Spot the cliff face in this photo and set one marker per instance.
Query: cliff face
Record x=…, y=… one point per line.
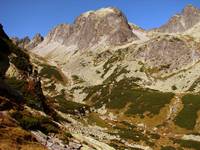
x=169, y=51
x=4, y=52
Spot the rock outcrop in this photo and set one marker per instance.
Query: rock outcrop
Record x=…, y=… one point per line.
x=168, y=53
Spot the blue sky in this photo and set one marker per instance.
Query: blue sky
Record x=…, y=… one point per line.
x=28, y=17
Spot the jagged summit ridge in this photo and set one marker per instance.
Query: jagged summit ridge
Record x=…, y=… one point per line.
x=26, y=42
x=189, y=16
x=101, y=12
x=94, y=29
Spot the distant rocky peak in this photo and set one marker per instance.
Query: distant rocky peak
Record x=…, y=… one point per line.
x=21, y=42
x=102, y=12
x=26, y=43
x=37, y=39
x=38, y=36
x=190, y=9
x=183, y=21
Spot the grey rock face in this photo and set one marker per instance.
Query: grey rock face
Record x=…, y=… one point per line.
x=168, y=53
x=181, y=22
x=106, y=26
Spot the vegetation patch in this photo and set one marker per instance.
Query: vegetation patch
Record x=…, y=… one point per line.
x=66, y=137
x=188, y=144
x=77, y=79
x=174, y=87
x=30, y=122
x=21, y=58
x=22, y=63
x=188, y=115
x=116, y=95
x=167, y=148
x=108, y=65
x=131, y=126
x=15, y=83
x=148, y=101
x=31, y=99
x=67, y=106
x=132, y=134
x=94, y=119
x=117, y=56
x=193, y=86
x=51, y=72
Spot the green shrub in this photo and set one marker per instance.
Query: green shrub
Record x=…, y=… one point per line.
x=67, y=106
x=34, y=100
x=194, y=84
x=26, y=122
x=155, y=136
x=41, y=123
x=167, y=148
x=94, y=119
x=188, y=144
x=116, y=95
x=66, y=137
x=77, y=79
x=131, y=126
x=15, y=83
x=131, y=134
x=67, y=134
x=188, y=115
x=149, y=101
x=174, y=87
x=22, y=63
x=51, y=71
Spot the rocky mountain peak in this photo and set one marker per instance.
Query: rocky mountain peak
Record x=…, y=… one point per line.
x=190, y=9
x=102, y=12
x=100, y=28
x=38, y=36
x=189, y=16
x=59, y=33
